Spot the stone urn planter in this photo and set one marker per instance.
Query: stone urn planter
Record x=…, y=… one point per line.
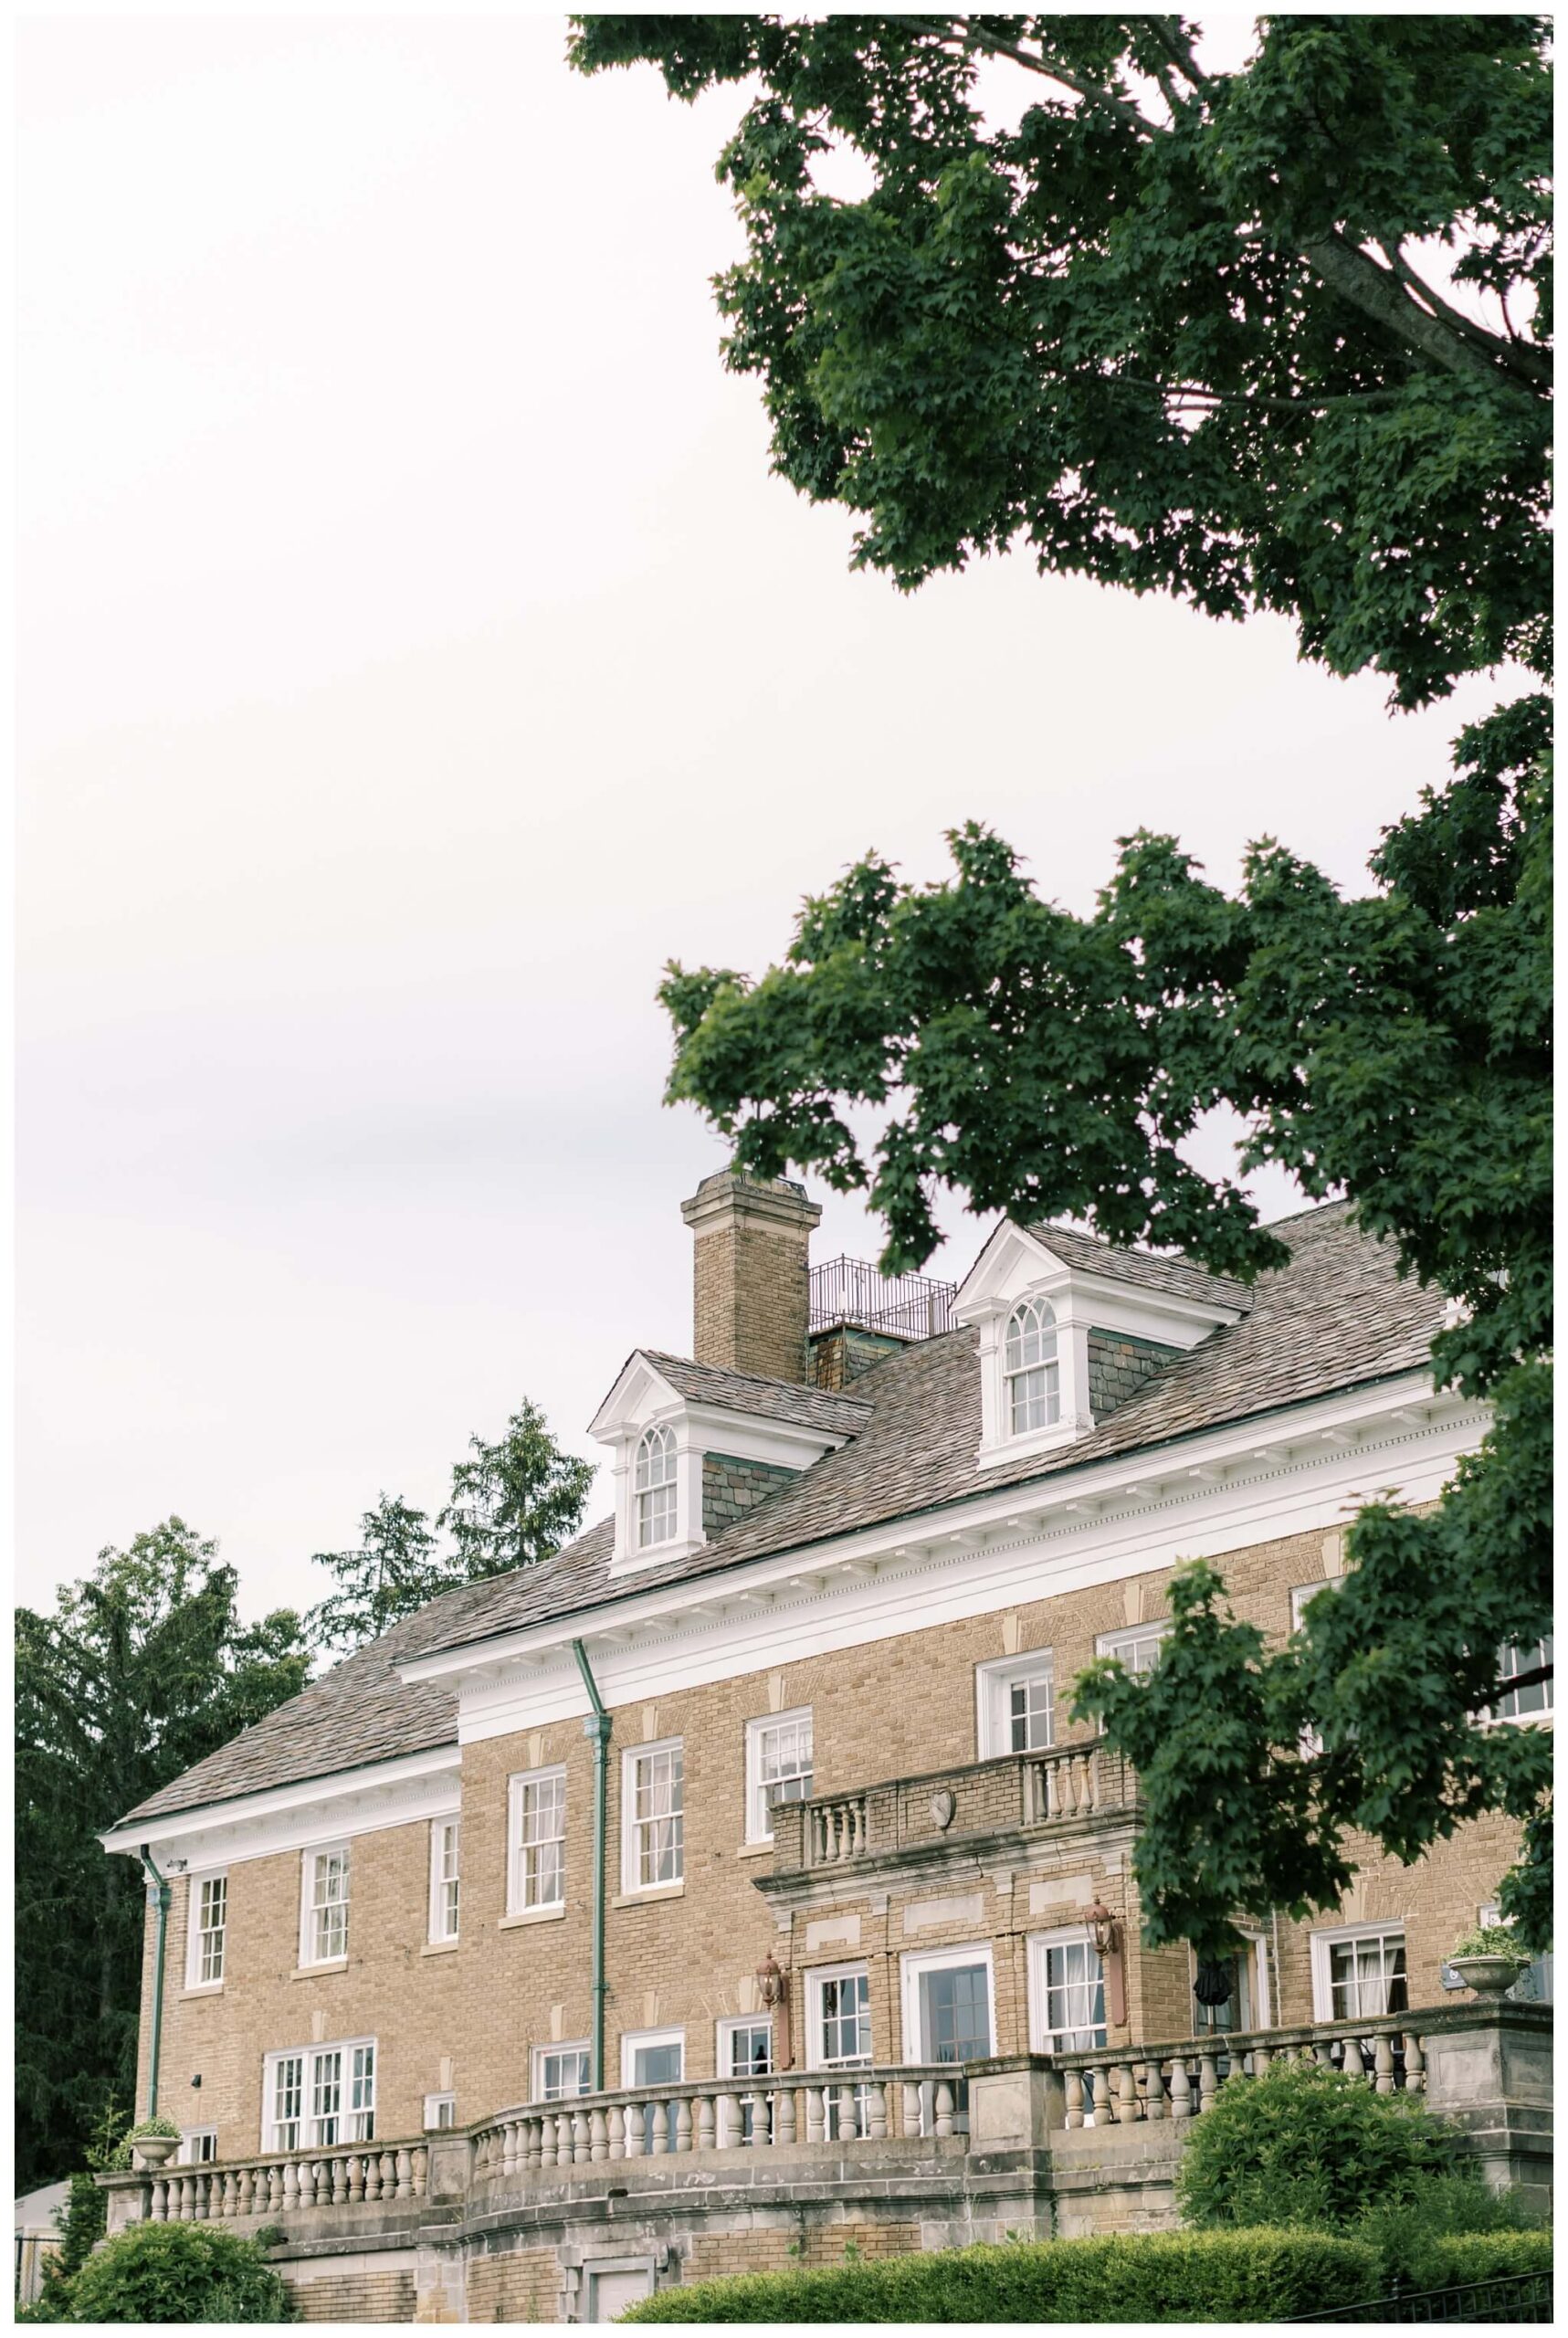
x=153, y=2150
x=1488, y=1976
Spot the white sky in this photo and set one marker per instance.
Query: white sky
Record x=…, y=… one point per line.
x=415, y=653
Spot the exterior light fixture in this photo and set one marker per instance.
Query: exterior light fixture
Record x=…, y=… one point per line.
x=1102, y=1928
x=772, y=1992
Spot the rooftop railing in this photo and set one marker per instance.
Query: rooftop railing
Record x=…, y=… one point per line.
x=906, y=1307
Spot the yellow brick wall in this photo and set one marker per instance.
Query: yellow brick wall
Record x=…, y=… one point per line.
x=523, y=2286
x=359, y=2295
x=896, y=1708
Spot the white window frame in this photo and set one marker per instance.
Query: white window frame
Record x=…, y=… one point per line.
x=309, y=1860
x=994, y=1684
x=440, y=2112
x=916, y=1962
x=759, y=1827
x=632, y=1883
x=661, y=1435
x=518, y=1902
x=1035, y=1304
x=1041, y=2039
x=727, y=2030
x=542, y=2054
x=634, y=2040
x=1526, y=1659
x=815, y=2059
x=446, y=1904
x=349, y=2117
x=1118, y=1643
x=195, y=1935
x=1335, y=1936
x=191, y=2153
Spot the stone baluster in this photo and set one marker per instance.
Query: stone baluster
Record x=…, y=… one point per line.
x=615, y=2130
x=1208, y=2078
x=1325, y=2054
x=658, y=2131
x=909, y=2122
x=1154, y=2091
x=708, y=2115
x=1127, y=2094
x=598, y=2137
x=1262, y=2062
x=636, y=2144
x=1414, y=2064
x=1382, y=2065
x=1180, y=2089
x=158, y=2201
x=783, y=2116
x=421, y=2157
x=339, y=2180
x=580, y=2146
x=681, y=2123
x=849, y=2122
x=816, y=2115
x=388, y=2176
x=1074, y=2088
x=532, y=2144
x=944, y=2107
x=357, y=2171
x=876, y=2109
x=725, y=2120
x=404, y=2176
x=511, y=2135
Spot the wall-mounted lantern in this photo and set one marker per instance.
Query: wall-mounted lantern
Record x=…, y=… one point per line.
x=773, y=1990
x=1106, y=1934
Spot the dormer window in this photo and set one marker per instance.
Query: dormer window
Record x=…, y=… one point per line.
x=1029, y=1363
x=655, y=1488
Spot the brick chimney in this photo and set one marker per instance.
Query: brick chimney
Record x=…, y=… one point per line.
x=751, y=1292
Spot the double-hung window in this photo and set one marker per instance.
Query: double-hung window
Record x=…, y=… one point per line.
x=839, y=1999
x=560, y=2072
x=445, y=1840
x=536, y=1875
x=440, y=2112
x=1015, y=1704
x=746, y=2051
x=198, y=2146
x=1067, y=1990
x=1360, y=1973
x=208, y=1922
x=1531, y=1703
x=315, y=2096
x=778, y=1768
x=654, y=1488
x=1138, y=1646
x=324, y=1930
x=1030, y=1368
x=653, y=1786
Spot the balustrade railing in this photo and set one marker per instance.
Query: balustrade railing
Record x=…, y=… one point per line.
x=281, y=2182
x=780, y=2111
x=1111, y=2086
x=1037, y=1789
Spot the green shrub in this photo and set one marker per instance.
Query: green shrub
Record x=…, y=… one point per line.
x=1484, y=2256
x=1306, y=2147
x=179, y=2273
x=1412, y=2236
x=1490, y=1940
x=1260, y=2276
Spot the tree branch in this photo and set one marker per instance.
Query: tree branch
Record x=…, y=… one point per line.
x=967, y=30
x=1358, y=278
x=1531, y=364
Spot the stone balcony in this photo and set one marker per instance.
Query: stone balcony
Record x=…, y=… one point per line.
x=971, y=1807
x=1029, y=2144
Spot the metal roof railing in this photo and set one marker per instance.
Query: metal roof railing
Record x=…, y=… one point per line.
x=905, y=1307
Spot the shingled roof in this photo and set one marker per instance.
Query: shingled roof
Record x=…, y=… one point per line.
x=1149, y=1269
x=1338, y=1315
x=766, y=1400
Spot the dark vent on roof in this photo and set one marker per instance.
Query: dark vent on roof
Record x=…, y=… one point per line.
x=847, y=1292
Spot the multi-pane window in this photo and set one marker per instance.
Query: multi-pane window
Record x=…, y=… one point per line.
x=1524, y=1657
x=843, y=2017
x=653, y=2058
x=316, y=2096
x=654, y=1787
x=1031, y=1367
x=1366, y=1975
x=1138, y=1646
x=746, y=2051
x=198, y=2146
x=1069, y=1994
x=445, y=1835
x=209, y=1927
x=560, y=2072
x=1015, y=1704
x=440, y=2112
x=326, y=1925
x=654, y=1482
x=778, y=1769
x=537, y=1868
x=1030, y=1713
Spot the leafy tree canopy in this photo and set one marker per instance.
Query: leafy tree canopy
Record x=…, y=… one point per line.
x=142, y=1669
x=513, y=1503
x=1183, y=329
x=1168, y=325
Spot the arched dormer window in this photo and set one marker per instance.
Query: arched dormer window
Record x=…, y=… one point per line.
x=1029, y=1366
x=654, y=1486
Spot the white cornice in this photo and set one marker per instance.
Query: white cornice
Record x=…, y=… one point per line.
x=396, y=1792
x=1224, y=1467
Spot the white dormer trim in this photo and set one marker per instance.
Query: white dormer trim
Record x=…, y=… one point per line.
x=642, y=1399
x=1016, y=1265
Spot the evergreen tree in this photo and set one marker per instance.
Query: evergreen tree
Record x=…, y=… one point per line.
x=515, y=1502
x=394, y=1570
x=140, y=1670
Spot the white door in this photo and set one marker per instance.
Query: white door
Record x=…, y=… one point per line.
x=610, y=2292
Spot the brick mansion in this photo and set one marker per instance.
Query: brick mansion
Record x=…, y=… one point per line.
x=736, y=1886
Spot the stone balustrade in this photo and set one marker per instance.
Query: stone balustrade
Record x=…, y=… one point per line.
x=1018, y=1792
x=1115, y=2087
x=281, y=2183
x=781, y=2112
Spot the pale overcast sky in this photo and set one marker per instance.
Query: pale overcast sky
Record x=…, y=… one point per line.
x=415, y=653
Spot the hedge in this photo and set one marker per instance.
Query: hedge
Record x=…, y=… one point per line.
x=1258, y=2276
x=1310, y=2146
x=1483, y=2257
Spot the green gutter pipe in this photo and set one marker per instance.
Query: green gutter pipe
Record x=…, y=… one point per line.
x=164, y=1896
x=597, y=1726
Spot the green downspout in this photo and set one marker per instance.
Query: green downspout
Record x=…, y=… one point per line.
x=598, y=1727
x=165, y=1896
